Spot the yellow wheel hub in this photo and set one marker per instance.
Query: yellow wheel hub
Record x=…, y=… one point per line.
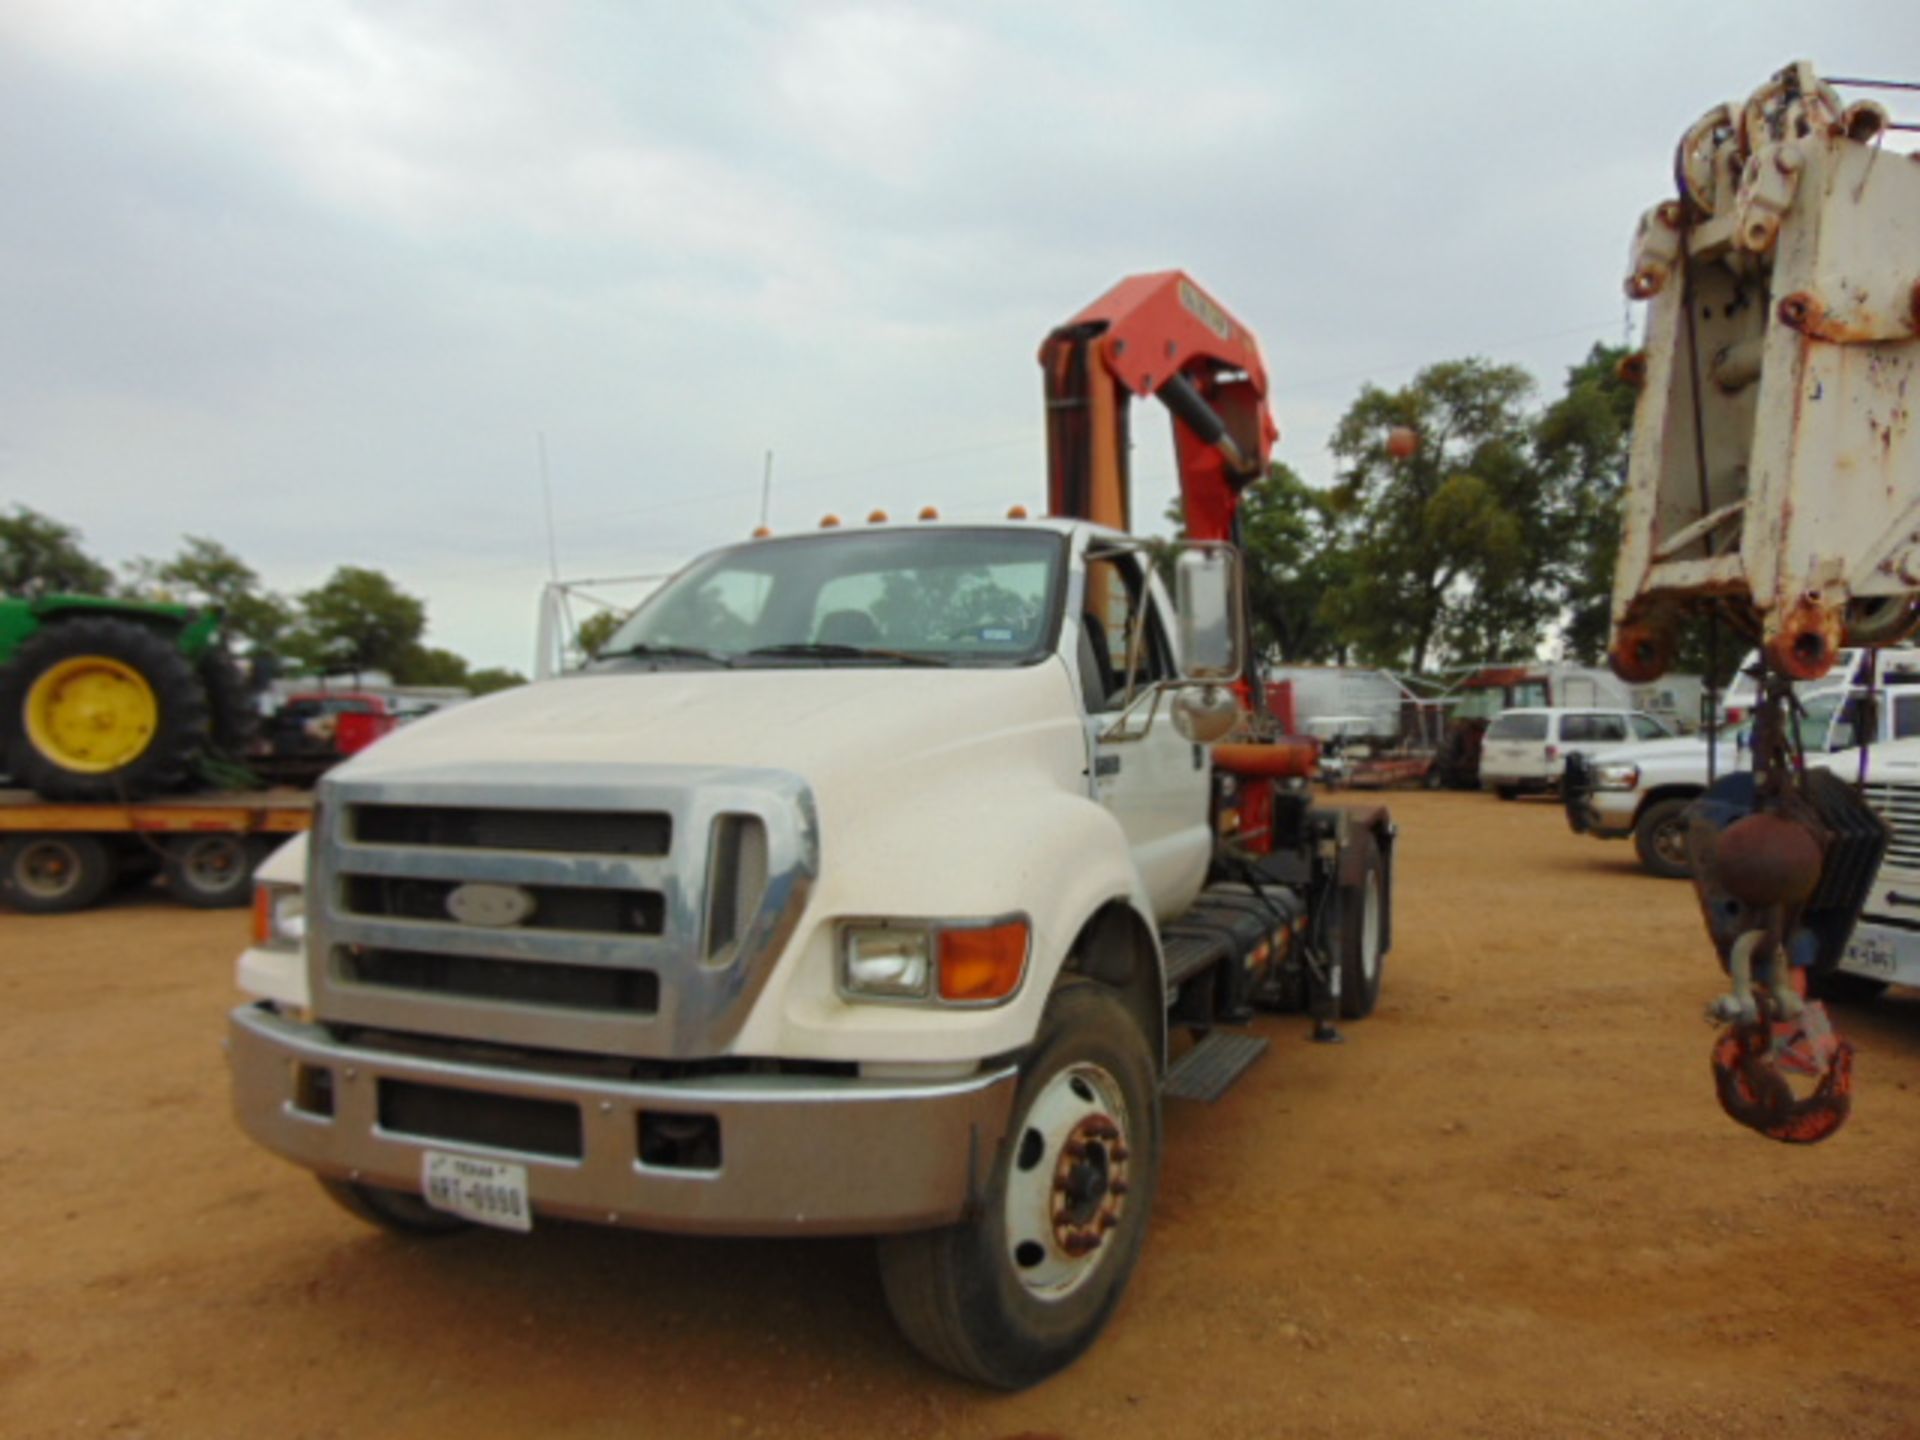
x=91, y=714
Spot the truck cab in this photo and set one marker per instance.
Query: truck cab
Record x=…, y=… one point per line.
x=863, y=884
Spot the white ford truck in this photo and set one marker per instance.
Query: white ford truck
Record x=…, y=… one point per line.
x=871, y=881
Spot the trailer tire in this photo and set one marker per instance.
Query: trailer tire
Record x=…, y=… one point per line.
x=109, y=710
x=1660, y=838
x=209, y=871
x=393, y=1210
x=55, y=873
x=1363, y=912
x=1004, y=1298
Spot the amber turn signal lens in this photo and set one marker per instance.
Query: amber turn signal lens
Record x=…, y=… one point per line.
x=262, y=915
x=985, y=964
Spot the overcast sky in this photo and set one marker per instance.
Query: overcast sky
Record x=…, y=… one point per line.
x=312, y=278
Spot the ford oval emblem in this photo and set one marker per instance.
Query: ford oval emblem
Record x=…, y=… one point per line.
x=495, y=906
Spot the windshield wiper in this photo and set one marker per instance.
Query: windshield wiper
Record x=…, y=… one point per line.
x=826, y=650
x=665, y=652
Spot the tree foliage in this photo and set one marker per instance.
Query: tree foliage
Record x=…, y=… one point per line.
x=1581, y=441
x=359, y=620
x=595, y=631
x=205, y=572
x=1494, y=539
x=41, y=556
x=1445, y=541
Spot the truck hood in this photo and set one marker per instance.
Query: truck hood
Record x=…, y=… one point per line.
x=828, y=725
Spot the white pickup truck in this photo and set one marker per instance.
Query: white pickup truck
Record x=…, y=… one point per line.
x=870, y=881
x=1642, y=791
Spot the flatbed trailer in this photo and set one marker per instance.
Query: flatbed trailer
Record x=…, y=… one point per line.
x=60, y=855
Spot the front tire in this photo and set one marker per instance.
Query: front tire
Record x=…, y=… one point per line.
x=392, y=1210
x=1660, y=838
x=1018, y=1291
x=1507, y=792
x=106, y=709
x=1363, y=916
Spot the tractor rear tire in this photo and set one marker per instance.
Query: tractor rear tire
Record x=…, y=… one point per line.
x=101, y=709
x=233, y=720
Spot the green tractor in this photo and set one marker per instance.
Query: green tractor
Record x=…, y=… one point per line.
x=114, y=699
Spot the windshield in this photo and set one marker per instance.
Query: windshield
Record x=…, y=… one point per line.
x=943, y=597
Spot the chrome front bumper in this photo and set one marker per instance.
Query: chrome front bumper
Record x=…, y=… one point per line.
x=797, y=1154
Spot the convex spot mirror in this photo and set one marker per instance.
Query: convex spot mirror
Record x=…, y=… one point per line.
x=1206, y=714
x=1206, y=579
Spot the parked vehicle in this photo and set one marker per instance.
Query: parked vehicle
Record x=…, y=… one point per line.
x=880, y=880
x=312, y=731
x=114, y=699
x=1526, y=750
x=57, y=856
x=1643, y=791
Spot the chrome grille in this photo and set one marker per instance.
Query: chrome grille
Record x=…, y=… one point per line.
x=643, y=904
x=1899, y=806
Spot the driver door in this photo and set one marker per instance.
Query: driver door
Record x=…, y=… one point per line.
x=1154, y=781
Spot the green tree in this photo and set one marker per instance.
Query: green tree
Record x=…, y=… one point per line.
x=1296, y=552
x=1581, y=441
x=358, y=620
x=595, y=631
x=431, y=665
x=494, y=677
x=206, y=571
x=1446, y=540
x=39, y=555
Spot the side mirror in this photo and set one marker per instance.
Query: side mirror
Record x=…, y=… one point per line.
x=1207, y=595
x=1204, y=715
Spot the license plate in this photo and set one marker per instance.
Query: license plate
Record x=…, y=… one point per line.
x=487, y=1192
x=1870, y=954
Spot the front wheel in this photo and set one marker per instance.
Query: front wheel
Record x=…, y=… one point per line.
x=1019, y=1290
x=1507, y=792
x=1660, y=838
x=393, y=1210
x=1363, y=914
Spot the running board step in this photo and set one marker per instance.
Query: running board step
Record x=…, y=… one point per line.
x=1207, y=1070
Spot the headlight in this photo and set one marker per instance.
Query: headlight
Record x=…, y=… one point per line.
x=886, y=962
x=279, y=916
x=1616, y=777
x=956, y=962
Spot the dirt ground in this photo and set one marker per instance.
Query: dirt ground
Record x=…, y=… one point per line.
x=1507, y=1207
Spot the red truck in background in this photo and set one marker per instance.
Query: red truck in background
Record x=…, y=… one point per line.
x=315, y=730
